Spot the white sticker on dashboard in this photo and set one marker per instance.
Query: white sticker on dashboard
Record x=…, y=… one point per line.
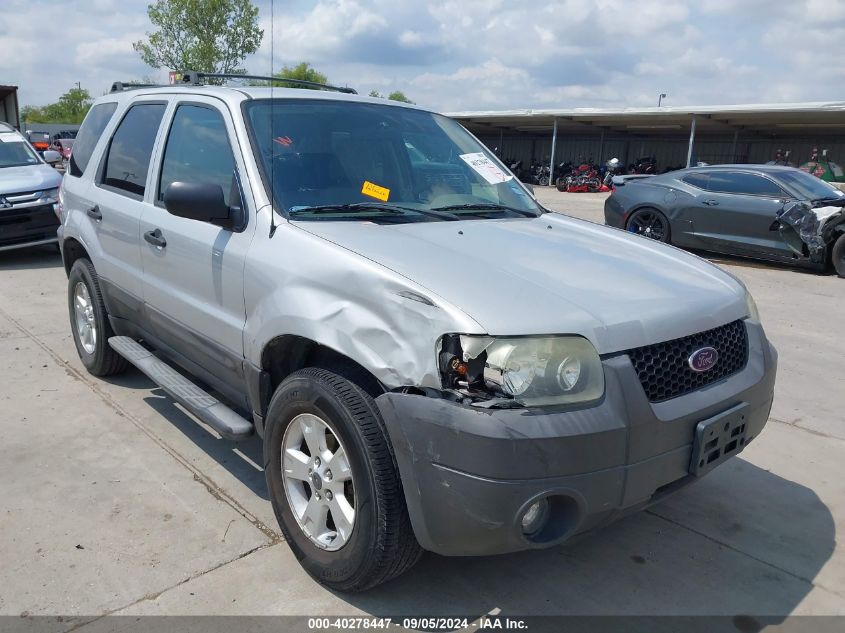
x=485, y=168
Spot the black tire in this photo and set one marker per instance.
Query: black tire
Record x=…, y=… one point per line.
x=382, y=543
x=649, y=223
x=104, y=361
x=561, y=183
x=837, y=255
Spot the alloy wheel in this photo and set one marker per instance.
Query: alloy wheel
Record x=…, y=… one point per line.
x=648, y=224
x=86, y=325
x=318, y=481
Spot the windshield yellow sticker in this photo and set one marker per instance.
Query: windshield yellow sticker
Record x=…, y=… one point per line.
x=374, y=191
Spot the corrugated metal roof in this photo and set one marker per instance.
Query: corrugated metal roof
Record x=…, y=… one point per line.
x=750, y=108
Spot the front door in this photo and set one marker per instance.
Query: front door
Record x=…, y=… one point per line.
x=736, y=212
x=193, y=270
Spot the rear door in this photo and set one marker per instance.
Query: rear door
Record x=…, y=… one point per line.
x=193, y=284
x=735, y=211
x=118, y=201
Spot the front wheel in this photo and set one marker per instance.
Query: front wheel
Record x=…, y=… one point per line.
x=837, y=255
x=649, y=223
x=334, y=483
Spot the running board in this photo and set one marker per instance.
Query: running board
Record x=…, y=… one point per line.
x=203, y=405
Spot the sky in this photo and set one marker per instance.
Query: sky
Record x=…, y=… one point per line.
x=457, y=55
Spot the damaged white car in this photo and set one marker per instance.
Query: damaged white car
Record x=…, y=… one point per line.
x=432, y=359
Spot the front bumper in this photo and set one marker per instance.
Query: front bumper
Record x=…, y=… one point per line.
x=469, y=474
x=28, y=226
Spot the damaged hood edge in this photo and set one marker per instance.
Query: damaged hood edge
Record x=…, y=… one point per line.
x=551, y=275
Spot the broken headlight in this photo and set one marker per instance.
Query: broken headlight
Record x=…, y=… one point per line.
x=532, y=371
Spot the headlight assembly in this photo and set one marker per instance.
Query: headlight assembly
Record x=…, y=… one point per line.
x=532, y=371
x=753, y=313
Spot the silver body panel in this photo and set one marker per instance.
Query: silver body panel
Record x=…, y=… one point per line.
x=340, y=283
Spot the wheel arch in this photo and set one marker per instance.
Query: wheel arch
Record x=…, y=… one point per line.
x=72, y=249
x=287, y=353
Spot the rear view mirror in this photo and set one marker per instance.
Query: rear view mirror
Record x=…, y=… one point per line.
x=198, y=201
x=52, y=157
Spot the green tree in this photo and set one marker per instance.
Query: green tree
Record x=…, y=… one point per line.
x=212, y=36
x=396, y=95
x=303, y=71
x=71, y=107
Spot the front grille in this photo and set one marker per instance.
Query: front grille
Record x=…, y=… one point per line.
x=665, y=373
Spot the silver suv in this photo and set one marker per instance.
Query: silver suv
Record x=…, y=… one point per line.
x=432, y=359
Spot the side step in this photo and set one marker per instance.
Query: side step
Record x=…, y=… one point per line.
x=203, y=405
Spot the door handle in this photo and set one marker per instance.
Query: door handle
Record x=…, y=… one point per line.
x=94, y=213
x=155, y=238
x=711, y=202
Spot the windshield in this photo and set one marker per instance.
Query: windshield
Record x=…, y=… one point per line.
x=807, y=186
x=16, y=154
x=340, y=160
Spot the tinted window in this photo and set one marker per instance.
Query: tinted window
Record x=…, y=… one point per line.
x=697, y=179
x=738, y=182
x=128, y=158
x=92, y=128
x=198, y=150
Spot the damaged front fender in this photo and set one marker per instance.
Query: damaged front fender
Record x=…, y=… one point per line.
x=309, y=288
x=809, y=229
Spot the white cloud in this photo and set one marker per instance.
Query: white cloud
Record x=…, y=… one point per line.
x=467, y=54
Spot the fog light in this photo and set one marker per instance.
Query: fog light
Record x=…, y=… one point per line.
x=535, y=517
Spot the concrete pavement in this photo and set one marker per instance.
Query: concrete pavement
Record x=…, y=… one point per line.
x=116, y=501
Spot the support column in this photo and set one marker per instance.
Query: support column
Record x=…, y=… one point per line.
x=733, y=147
x=691, y=142
x=552, y=158
x=601, y=149
x=501, y=142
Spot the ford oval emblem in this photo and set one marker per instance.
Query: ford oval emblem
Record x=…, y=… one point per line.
x=703, y=359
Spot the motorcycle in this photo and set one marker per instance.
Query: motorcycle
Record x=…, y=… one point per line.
x=644, y=165
x=612, y=168
x=584, y=179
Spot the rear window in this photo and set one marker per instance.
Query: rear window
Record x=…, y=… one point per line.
x=697, y=180
x=128, y=157
x=92, y=128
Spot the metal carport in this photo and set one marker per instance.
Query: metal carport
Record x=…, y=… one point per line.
x=678, y=136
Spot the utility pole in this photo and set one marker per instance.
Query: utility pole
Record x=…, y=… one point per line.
x=78, y=86
x=661, y=98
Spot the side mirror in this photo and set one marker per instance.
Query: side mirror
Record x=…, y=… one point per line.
x=52, y=157
x=198, y=201
x=529, y=186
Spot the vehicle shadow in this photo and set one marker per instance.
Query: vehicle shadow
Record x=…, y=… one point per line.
x=31, y=258
x=243, y=460
x=742, y=542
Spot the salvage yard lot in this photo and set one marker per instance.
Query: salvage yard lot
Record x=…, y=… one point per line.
x=116, y=501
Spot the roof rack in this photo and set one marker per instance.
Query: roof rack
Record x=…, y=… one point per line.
x=120, y=86
x=195, y=78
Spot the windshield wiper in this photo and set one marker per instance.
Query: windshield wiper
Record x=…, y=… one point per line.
x=364, y=207
x=485, y=206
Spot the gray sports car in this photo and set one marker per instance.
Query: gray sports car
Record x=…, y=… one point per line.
x=762, y=211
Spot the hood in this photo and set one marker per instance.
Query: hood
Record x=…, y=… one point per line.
x=553, y=275
x=28, y=178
